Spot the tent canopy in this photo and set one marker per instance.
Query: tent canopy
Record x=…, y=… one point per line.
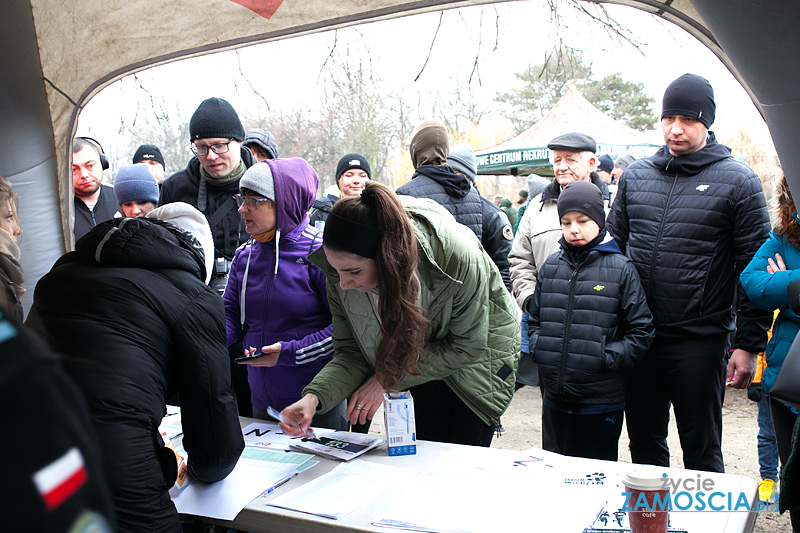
x=57, y=54
x=528, y=153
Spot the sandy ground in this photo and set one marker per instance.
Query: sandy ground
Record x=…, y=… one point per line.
x=523, y=424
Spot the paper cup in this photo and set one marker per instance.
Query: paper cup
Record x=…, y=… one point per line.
x=645, y=484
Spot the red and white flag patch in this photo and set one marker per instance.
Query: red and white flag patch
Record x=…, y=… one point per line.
x=61, y=479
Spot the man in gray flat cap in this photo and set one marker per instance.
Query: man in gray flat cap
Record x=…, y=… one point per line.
x=573, y=156
x=539, y=230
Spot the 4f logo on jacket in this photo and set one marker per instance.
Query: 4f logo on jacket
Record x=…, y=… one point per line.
x=702, y=188
x=599, y=288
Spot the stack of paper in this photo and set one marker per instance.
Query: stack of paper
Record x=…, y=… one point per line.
x=257, y=471
x=343, y=489
x=341, y=445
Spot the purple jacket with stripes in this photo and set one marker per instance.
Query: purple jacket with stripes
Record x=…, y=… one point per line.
x=290, y=306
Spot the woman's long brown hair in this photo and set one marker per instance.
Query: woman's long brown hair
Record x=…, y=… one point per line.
x=784, y=208
x=404, y=328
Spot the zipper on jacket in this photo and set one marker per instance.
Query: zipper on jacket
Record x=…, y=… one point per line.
x=661, y=228
x=564, y=349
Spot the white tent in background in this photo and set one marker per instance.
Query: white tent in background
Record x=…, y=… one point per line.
x=527, y=152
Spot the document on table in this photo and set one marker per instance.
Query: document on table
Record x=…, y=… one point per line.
x=256, y=472
x=343, y=489
x=267, y=435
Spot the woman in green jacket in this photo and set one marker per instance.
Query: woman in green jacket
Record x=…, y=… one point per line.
x=417, y=305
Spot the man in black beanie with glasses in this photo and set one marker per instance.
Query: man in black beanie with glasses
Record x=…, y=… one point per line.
x=209, y=182
x=690, y=218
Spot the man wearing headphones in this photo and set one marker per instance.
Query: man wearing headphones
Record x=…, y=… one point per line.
x=94, y=202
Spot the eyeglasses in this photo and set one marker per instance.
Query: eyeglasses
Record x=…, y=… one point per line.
x=250, y=202
x=218, y=148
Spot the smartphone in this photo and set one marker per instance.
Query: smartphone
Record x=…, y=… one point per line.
x=245, y=358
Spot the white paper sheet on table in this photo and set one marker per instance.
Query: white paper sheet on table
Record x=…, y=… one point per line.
x=343, y=489
x=224, y=499
x=266, y=435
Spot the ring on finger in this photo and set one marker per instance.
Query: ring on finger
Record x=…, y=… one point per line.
x=359, y=406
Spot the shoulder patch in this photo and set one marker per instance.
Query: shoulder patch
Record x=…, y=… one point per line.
x=508, y=233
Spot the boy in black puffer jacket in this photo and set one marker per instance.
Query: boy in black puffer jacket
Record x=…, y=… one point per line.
x=588, y=321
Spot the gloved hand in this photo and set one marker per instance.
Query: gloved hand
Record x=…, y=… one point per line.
x=754, y=392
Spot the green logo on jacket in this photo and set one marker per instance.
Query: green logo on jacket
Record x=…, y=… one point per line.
x=599, y=288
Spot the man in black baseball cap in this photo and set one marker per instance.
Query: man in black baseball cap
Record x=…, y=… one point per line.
x=150, y=155
x=690, y=218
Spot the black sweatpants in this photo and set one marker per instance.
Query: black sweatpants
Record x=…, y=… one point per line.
x=689, y=374
x=594, y=436
x=441, y=416
x=783, y=420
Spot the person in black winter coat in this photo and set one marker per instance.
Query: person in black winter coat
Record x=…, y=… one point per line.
x=136, y=324
x=588, y=321
x=435, y=180
x=691, y=218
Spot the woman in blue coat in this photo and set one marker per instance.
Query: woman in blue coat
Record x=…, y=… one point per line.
x=765, y=280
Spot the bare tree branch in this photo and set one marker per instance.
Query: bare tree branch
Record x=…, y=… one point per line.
x=433, y=41
x=244, y=76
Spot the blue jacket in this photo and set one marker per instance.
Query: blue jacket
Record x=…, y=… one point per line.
x=284, y=302
x=768, y=291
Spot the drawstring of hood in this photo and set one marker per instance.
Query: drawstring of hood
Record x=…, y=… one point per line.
x=243, y=290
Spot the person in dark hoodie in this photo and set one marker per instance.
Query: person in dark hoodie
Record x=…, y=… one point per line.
x=276, y=303
x=452, y=190
x=691, y=218
x=135, y=322
x=588, y=299
x=352, y=173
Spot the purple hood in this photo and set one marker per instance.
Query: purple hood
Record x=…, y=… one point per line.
x=296, y=186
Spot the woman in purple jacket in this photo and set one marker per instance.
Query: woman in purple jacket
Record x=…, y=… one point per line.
x=275, y=301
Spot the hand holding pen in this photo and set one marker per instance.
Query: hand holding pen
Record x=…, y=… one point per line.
x=283, y=419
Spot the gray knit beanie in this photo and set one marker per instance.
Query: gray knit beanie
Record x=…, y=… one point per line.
x=135, y=183
x=463, y=160
x=258, y=178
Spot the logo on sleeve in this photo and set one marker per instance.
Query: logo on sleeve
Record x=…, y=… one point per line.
x=599, y=288
x=508, y=233
x=702, y=188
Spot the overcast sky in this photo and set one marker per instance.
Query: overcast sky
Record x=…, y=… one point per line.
x=287, y=72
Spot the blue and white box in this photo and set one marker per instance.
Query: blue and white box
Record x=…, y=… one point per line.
x=401, y=429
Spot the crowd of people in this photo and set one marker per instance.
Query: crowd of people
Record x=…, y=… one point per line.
x=621, y=288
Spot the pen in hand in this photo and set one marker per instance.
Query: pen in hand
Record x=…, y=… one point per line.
x=280, y=417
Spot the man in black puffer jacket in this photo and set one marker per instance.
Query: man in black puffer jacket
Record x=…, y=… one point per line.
x=433, y=179
x=690, y=218
x=135, y=323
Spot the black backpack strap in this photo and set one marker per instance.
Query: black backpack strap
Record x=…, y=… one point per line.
x=220, y=213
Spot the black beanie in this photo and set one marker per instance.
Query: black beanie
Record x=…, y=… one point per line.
x=584, y=197
x=691, y=96
x=148, y=152
x=352, y=161
x=215, y=118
